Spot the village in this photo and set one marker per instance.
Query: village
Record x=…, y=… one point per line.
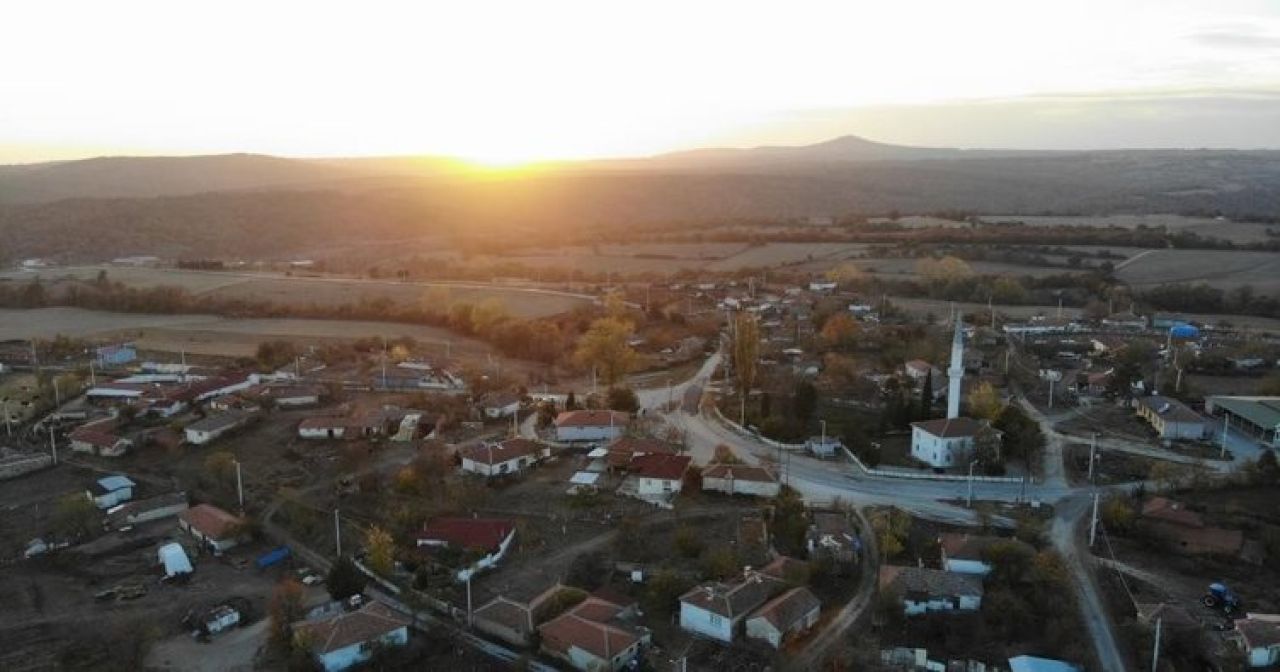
x=799, y=477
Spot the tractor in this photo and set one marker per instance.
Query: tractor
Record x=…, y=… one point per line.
x=1221, y=597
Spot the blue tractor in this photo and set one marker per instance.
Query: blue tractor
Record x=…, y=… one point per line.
x=1221, y=597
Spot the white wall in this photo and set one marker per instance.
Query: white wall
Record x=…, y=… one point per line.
x=703, y=622
x=967, y=567
x=657, y=486
x=601, y=433
x=349, y=656
x=937, y=451
x=322, y=433
x=741, y=487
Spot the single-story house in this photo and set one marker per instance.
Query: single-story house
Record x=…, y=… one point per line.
x=923, y=590
x=659, y=475
x=1258, y=417
x=717, y=610
x=1171, y=418
x=786, y=616
x=499, y=459
x=293, y=396
x=1260, y=639
x=501, y=405
x=917, y=370
x=145, y=510
x=208, y=429
x=490, y=536
x=594, y=635
x=512, y=616
x=627, y=448
x=109, y=491
x=591, y=425
x=740, y=479
x=1187, y=530
x=99, y=438
x=213, y=527
x=108, y=356
x=945, y=442
x=966, y=553
x=174, y=560
x=326, y=427
x=1125, y=321
x=345, y=639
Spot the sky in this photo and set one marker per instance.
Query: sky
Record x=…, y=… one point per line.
x=505, y=82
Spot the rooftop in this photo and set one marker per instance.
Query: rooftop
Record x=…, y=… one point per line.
x=740, y=472
x=370, y=622
x=1170, y=408
x=664, y=467
x=592, y=419
x=1261, y=411
x=736, y=599
x=497, y=453
x=788, y=608
x=468, y=533
x=932, y=582
x=960, y=546
x=949, y=428
x=1259, y=630
x=217, y=422
x=211, y=521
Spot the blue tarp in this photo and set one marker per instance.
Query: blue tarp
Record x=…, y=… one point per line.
x=272, y=557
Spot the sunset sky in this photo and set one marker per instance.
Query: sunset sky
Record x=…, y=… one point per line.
x=513, y=81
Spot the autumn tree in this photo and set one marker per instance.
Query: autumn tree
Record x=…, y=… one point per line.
x=220, y=467
x=987, y=452
x=943, y=269
x=74, y=515
x=285, y=609
x=381, y=550
x=839, y=330
x=746, y=351
x=985, y=402
x=891, y=526
x=605, y=348
x=845, y=273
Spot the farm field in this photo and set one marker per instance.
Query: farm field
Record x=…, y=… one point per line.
x=206, y=334
x=672, y=258
x=1224, y=269
x=1236, y=232
x=319, y=290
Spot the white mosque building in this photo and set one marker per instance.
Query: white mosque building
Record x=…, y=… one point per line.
x=947, y=442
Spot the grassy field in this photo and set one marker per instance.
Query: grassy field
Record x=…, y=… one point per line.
x=671, y=258
x=1224, y=269
x=1237, y=232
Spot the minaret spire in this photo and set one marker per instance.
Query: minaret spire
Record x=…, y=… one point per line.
x=956, y=372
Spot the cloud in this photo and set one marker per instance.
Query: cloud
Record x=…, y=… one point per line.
x=1236, y=36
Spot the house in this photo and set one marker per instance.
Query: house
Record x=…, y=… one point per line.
x=964, y=553
x=513, y=615
x=109, y=491
x=740, y=479
x=342, y=640
x=145, y=510
x=591, y=425
x=488, y=536
x=786, y=616
x=109, y=356
x=1260, y=639
x=822, y=287
x=945, y=442
x=213, y=527
x=1034, y=664
x=1171, y=418
x=1257, y=417
x=594, y=635
x=658, y=475
x=824, y=447
x=923, y=590
x=1168, y=320
x=99, y=438
x=210, y=428
x=326, y=427
x=499, y=459
x=627, y=448
x=293, y=396
x=501, y=405
x=917, y=370
x=834, y=536
x=1125, y=321
x=717, y=610
x=1187, y=530
x=218, y=386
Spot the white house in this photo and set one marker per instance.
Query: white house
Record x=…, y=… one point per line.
x=740, y=479
x=659, y=475
x=207, y=429
x=490, y=536
x=788, y=615
x=593, y=636
x=98, y=438
x=293, y=396
x=499, y=459
x=109, y=491
x=1260, y=639
x=820, y=286
x=322, y=428
x=591, y=425
x=502, y=405
x=944, y=442
x=174, y=560
x=213, y=527
x=923, y=590
x=717, y=610
x=1171, y=418
x=344, y=639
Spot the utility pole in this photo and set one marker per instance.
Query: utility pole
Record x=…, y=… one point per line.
x=1093, y=523
x=1050, y=390
x=337, y=533
x=1155, y=652
x=824, y=432
x=239, y=487
x=1226, y=429
x=93, y=378
x=972, y=464
x=53, y=444
x=8, y=424
x=1093, y=446
x=468, y=599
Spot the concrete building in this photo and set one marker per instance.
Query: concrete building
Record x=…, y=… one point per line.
x=943, y=443
x=216, y=529
x=1260, y=639
x=785, y=617
x=573, y=426
x=210, y=428
x=1258, y=417
x=593, y=636
x=658, y=475
x=964, y=553
x=718, y=610
x=322, y=428
x=740, y=479
x=109, y=491
x=1172, y=419
x=99, y=438
x=923, y=590
x=501, y=459
x=490, y=536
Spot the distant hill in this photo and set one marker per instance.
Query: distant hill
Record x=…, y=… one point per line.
x=845, y=149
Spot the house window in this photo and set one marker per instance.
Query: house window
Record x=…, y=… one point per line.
x=666, y=486
x=502, y=469
x=716, y=620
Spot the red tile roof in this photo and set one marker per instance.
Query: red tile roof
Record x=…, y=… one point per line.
x=592, y=419
x=211, y=521
x=664, y=467
x=491, y=453
x=1169, y=511
x=789, y=608
x=740, y=472
x=371, y=622
x=95, y=435
x=589, y=626
x=468, y=533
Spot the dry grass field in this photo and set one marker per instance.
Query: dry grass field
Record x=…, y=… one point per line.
x=673, y=257
x=1224, y=269
x=1236, y=232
